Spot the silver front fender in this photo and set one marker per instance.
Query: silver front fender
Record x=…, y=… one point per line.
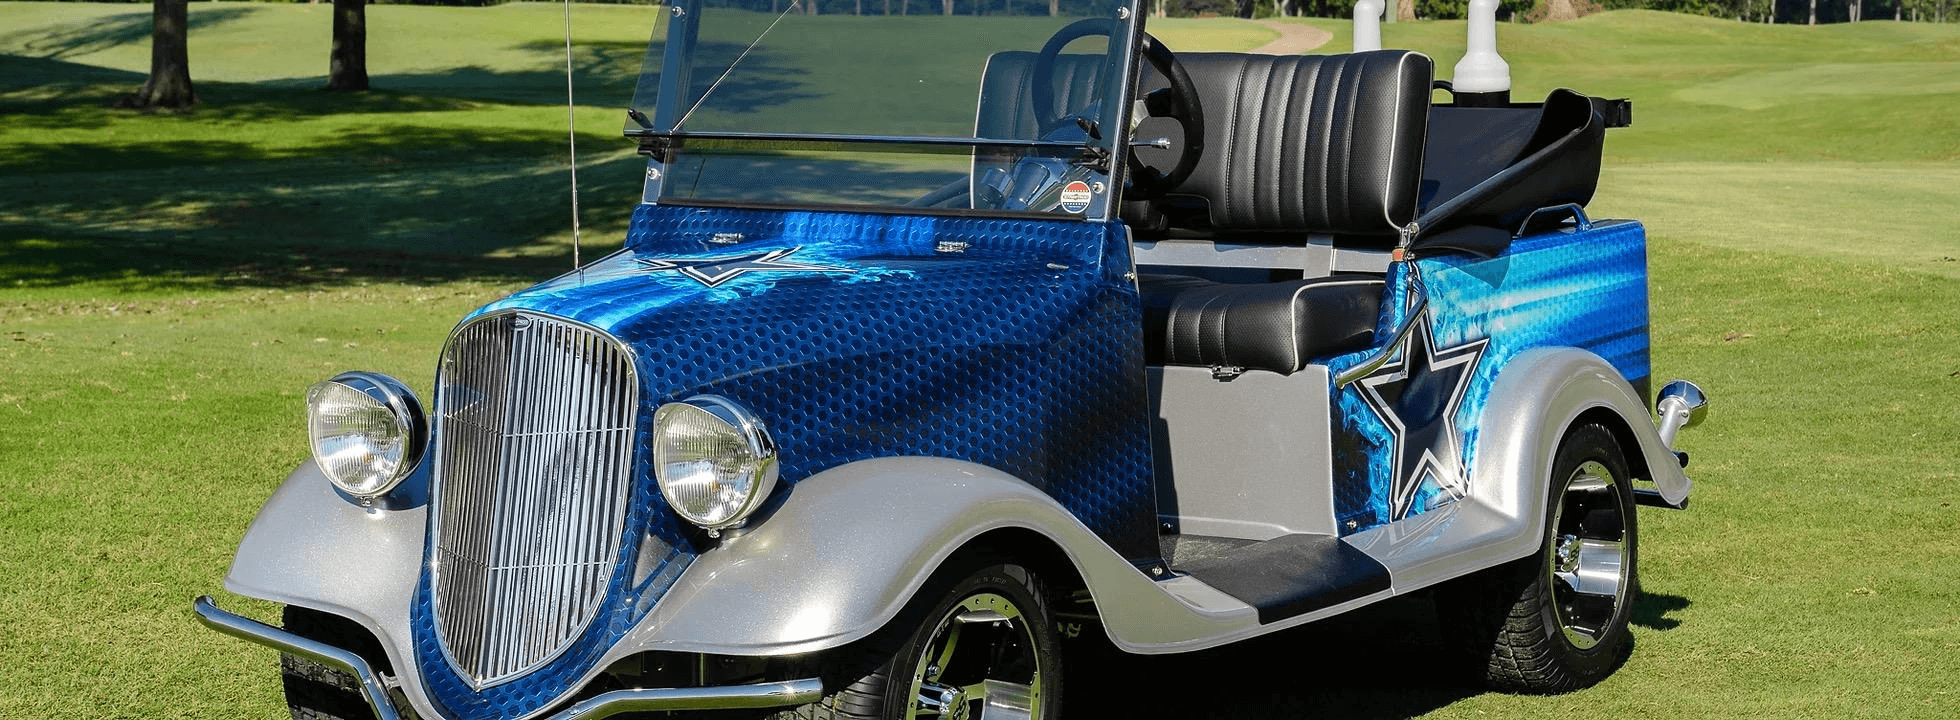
x=850, y=546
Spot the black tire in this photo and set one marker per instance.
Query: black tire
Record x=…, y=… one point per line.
x=1526, y=627
x=1002, y=605
x=318, y=692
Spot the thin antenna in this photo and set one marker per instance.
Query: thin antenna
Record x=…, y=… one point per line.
x=571, y=136
x=731, y=66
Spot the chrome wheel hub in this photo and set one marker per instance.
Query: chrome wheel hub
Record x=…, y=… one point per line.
x=981, y=662
x=1587, y=564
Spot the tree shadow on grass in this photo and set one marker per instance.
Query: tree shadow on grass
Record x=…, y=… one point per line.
x=370, y=207
x=111, y=31
x=44, y=94
x=608, y=73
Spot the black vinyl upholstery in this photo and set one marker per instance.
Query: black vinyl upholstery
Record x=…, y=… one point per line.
x=1278, y=326
x=1328, y=144
x=1007, y=107
x=1494, y=166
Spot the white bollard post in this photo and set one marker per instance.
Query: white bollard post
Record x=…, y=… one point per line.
x=1482, y=74
x=1368, y=25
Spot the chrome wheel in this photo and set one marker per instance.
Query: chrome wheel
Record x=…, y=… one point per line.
x=980, y=662
x=1588, y=565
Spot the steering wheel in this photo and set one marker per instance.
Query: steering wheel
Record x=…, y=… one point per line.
x=1181, y=106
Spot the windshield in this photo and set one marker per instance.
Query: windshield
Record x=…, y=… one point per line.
x=917, y=103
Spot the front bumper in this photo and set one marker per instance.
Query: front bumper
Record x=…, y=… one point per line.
x=374, y=686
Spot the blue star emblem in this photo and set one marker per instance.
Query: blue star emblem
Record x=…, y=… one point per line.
x=715, y=271
x=1417, y=396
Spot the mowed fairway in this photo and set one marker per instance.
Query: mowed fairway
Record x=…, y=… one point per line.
x=169, y=285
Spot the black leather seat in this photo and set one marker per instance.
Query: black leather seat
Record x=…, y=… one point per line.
x=1279, y=326
x=1294, y=146
x=1328, y=144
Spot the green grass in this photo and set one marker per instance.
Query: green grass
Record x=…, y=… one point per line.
x=170, y=283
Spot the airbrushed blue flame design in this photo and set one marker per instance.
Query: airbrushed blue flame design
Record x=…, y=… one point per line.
x=1569, y=288
x=1013, y=343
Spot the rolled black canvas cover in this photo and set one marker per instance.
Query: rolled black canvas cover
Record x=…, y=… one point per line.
x=1486, y=169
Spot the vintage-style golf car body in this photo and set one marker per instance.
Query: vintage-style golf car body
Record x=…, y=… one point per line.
x=939, y=340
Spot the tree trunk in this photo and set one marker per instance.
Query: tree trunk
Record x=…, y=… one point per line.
x=169, y=85
x=1813, y=12
x=1054, y=7
x=347, y=68
x=946, y=6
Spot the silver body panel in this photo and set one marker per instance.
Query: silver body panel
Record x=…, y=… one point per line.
x=1245, y=458
x=1533, y=402
x=842, y=554
x=311, y=547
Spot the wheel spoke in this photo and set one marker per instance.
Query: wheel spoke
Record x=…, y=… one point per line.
x=937, y=668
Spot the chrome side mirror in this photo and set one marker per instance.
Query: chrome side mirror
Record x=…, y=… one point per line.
x=1681, y=404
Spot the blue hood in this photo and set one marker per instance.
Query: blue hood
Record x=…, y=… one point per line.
x=1013, y=343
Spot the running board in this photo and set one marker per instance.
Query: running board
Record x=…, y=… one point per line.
x=1290, y=575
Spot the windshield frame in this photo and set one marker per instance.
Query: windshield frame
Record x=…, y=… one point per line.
x=1108, y=153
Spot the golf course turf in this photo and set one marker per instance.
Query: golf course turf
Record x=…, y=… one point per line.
x=170, y=284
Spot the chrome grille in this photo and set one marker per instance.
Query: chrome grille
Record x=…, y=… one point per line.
x=534, y=433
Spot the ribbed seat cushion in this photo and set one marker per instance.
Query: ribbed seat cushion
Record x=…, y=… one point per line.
x=1278, y=326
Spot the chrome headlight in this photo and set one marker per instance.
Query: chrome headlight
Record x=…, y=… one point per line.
x=367, y=431
x=714, y=460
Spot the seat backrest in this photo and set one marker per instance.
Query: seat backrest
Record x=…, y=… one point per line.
x=1007, y=104
x=1328, y=144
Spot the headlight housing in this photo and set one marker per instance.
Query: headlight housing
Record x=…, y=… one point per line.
x=367, y=431
x=714, y=460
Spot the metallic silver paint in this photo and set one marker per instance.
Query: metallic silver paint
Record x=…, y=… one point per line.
x=245, y=628
x=1536, y=398
x=310, y=547
x=848, y=547
x=1317, y=258
x=1242, y=459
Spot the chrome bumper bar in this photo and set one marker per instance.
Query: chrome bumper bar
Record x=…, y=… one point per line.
x=759, y=695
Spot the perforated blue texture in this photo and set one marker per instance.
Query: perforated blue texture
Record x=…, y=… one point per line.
x=1559, y=289
x=1011, y=343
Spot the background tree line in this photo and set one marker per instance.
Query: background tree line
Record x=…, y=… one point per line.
x=1777, y=11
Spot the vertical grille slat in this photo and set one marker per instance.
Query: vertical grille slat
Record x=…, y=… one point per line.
x=533, y=428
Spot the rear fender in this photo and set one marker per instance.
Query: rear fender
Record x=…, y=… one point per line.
x=1540, y=395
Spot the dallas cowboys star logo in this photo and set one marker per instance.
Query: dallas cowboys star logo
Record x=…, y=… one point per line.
x=1417, y=396
x=712, y=272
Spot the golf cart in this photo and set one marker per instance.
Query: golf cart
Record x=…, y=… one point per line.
x=938, y=337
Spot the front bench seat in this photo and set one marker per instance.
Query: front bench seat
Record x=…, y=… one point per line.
x=1300, y=145
x=1279, y=326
